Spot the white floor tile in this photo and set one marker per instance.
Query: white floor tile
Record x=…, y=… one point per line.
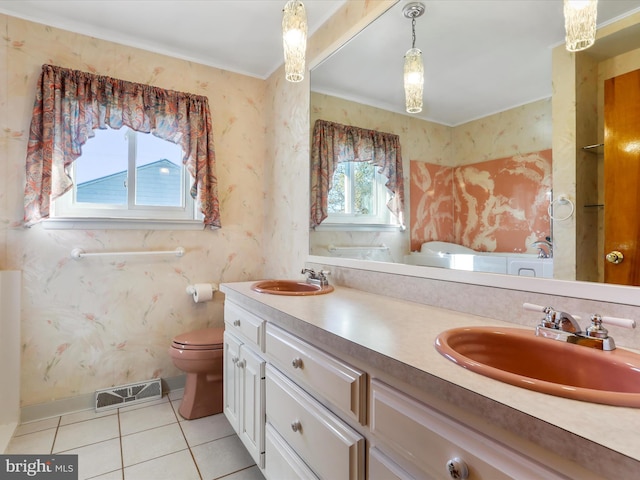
x=33, y=443
x=252, y=473
x=149, y=444
x=221, y=457
x=115, y=475
x=170, y=467
x=148, y=403
x=86, y=433
x=36, y=426
x=132, y=421
x=98, y=458
x=84, y=415
x=207, y=429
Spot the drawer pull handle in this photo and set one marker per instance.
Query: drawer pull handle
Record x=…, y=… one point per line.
x=297, y=363
x=457, y=468
x=296, y=426
x=236, y=323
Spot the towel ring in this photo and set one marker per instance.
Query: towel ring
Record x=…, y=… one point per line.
x=561, y=200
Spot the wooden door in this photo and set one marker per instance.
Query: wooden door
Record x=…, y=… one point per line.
x=622, y=178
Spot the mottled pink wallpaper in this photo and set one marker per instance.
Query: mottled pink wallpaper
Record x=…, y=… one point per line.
x=495, y=206
x=431, y=205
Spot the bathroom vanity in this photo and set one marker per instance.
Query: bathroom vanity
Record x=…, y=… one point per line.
x=348, y=385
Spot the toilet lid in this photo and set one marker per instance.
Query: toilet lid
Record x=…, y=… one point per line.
x=211, y=338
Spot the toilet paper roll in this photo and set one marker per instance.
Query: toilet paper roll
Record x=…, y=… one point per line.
x=202, y=292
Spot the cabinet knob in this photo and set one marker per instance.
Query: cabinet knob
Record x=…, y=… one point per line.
x=457, y=468
x=236, y=323
x=234, y=359
x=297, y=362
x=242, y=363
x=296, y=426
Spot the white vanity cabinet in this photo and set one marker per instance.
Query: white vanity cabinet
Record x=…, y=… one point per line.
x=244, y=377
x=317, y=411
x=412, y=440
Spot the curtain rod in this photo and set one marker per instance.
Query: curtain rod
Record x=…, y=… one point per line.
x=78, y=253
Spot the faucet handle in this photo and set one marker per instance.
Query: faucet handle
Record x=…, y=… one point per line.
x=536, y=308
x=615, y=321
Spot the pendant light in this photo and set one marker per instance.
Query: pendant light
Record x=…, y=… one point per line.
x=580, y=23
x=413, y=67
x=294, y=39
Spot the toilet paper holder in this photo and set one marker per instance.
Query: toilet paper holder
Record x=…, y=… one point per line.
x=193, y=290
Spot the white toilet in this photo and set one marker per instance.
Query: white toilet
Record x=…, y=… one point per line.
x=200, y=355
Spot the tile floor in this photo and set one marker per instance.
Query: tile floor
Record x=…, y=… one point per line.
x=149, y=441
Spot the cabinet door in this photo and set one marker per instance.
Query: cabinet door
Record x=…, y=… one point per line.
x=230, y=380
x=251, y=412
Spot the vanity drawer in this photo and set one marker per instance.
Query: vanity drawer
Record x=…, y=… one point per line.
x=332, y=449
x=281, y=461
x=244, y=323
x=416, y=435
x=382, y=467
x=325, y=375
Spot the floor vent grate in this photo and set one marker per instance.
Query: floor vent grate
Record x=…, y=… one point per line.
x=130, y=394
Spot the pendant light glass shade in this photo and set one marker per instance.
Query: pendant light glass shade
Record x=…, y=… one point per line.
x=294, y=40
x=413, y=80
x=580, y=23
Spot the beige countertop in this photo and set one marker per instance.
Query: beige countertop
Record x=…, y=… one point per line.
x=398, y=336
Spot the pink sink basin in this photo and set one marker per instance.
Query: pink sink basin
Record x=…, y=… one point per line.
x=518, y=357
x=290, y=287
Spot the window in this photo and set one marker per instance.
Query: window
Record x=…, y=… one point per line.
x=69, y=106
x=358, y=195
x=124, y=174
x=364, y=169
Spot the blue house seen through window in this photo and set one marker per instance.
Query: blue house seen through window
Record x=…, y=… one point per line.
x=157, y=184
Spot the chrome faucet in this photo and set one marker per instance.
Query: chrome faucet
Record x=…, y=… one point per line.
x=564, y=327
x=316, y=278
x=545, y=248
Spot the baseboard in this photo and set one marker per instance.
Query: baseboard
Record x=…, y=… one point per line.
x=79, y=403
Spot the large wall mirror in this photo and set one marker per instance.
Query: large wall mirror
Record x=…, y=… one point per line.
x=487, y=184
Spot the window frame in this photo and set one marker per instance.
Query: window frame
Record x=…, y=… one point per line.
x=381, y=221
x=67, y=213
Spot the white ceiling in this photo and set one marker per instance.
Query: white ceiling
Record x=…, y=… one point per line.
x=242, y=36
x=481, y=56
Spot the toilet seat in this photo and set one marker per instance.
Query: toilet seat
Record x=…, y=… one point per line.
x=204, y=339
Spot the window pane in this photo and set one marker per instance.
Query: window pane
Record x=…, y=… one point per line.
x=159, y=171
x=101, y=170
x=337, y=198
x=364, y=201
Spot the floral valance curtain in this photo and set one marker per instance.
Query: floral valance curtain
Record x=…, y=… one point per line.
x=70, y=104
x=334, y=143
